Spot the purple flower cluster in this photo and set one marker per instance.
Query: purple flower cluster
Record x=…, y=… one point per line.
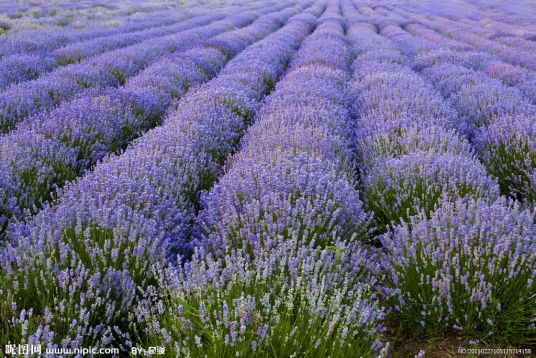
x=481, y=100
x=294, y=173
x=45, y=40
x=254, y=179
x=289, y=299
x=476, y=38
x=494, y=115
x=110, y=227
x=262, y=282
x=99, y=122
x=508, y=148
x=469, y=267
x=83, y=49
x=109, y=69
x=411, y=158
x=467, y=262
x=31, y=64
x=455, y=52
x=397, y=188
x=19, y=68
x=522, y=56
x=32, y=165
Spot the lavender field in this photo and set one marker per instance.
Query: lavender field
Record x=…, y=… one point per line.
x=268, y=178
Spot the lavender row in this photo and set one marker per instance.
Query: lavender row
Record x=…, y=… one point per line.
x=498, y=118
x=84, y=49
x=295, y=158
x=512, y=75
x=112, y=226
x=27, y=66
x=43, y=41
x=515, y=36
x=513, y=15
x=458, y=252
x=467, y=268
x=484, y=16
x=506, y=34
x=522, y=79
x=291, y=185
x=466, y=33
x=110, y=69
x=78, y=22
x=506, y=141
x=482, y=106
x=54, y=148
x=411, y=158
x=495, y=25
x=62, y=15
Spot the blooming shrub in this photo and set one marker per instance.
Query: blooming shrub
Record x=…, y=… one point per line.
x=32, y=166
x=469, y=267
x=83, y=262
x=258, y=179
x=377, y=139
x=398, y=188
x=508, y=149
x=294, y=173
x=289, y=299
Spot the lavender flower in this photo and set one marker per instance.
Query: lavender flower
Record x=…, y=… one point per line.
x=111, y=232
x=323, y=307
x=100, y=122
x=112, y=68
x=294, y=173
x=19, y=68
x=508, y=149
x=461, y=261
x=397, y=188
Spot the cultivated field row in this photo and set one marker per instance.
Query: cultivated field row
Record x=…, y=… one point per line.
x=312, y=178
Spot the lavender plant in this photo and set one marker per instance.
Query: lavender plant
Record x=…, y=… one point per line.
x=285, y=192
x=19, y=68
x=109, y=69
x=211, y=179
x=31, y=64
x=289, y=299
x=294, y=173
x=508, y=149
x=84, y=49
x=411, y=158
x=398, y=188
x=396, y=138
x=120, y=221
x=468, y=268
x=100, y=122
x=48, y=39
x=32, y=166
x=465, y=55
x=485, y=103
